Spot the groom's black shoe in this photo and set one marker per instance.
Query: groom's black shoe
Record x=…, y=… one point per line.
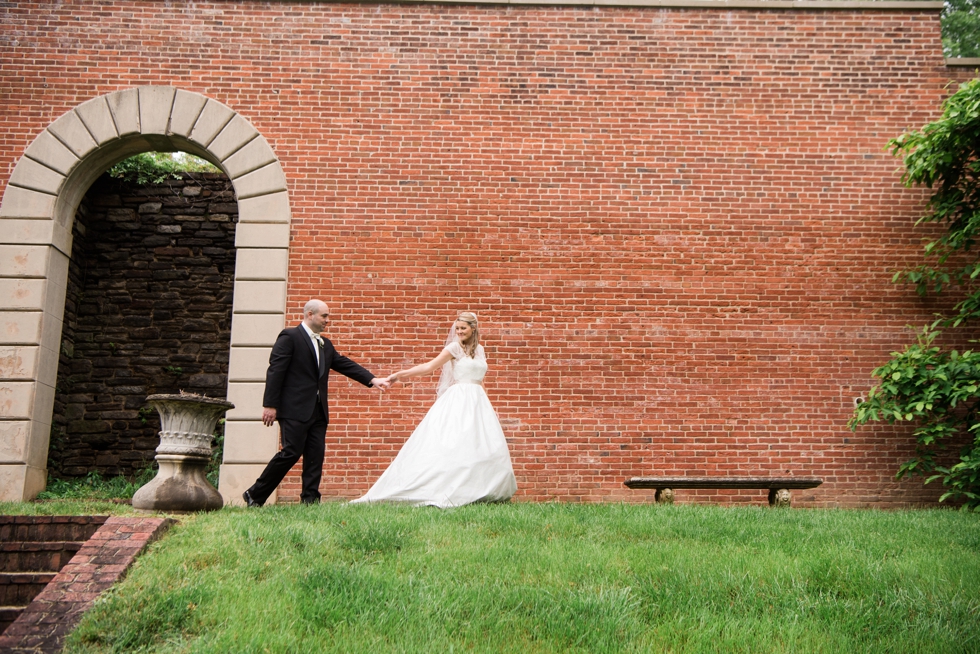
x=249, y=501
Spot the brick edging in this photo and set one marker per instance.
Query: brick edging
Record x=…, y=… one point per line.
x=44, y=527
x=100, y=563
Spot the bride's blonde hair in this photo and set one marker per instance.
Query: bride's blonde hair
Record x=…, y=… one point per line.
x=470, y=319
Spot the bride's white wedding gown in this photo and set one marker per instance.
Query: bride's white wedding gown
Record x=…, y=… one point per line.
x=458, y=454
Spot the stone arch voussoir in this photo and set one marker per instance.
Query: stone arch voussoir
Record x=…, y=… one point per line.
x=36, y=216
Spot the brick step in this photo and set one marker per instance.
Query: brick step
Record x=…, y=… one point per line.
x=32, y=556
x=48, y=528
x=20, y=588
x=8, y=614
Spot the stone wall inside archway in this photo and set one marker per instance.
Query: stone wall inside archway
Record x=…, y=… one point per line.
x=148, y=310
x=36, y=219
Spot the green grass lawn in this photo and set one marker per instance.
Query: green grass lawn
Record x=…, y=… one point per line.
x=548, y=578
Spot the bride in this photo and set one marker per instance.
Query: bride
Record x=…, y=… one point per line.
x=458, y=453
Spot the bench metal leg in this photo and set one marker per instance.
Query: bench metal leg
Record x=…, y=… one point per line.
x=779, y=497
x=664, y=496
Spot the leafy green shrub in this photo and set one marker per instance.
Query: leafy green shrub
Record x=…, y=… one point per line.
x=961, y=28
x=217, y=452
x=94, y=486
x=937, y=389
x=158, y=167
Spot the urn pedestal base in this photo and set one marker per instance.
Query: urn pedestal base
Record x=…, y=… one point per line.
x=179, y=487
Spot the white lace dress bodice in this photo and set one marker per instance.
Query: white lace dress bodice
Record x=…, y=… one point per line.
x=468, y=370
x=458, y=454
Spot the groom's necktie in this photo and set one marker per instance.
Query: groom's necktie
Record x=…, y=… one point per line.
x=319, y=351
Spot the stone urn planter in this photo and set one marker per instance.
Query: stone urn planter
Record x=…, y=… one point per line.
x=187, y=424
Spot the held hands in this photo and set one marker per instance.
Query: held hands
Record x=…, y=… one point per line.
x=386, y=383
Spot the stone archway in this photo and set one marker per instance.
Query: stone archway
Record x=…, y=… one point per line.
x=36, y=215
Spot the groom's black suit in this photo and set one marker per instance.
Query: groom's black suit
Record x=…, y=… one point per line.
x=297, y=389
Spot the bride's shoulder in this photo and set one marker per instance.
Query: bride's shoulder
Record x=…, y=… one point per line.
x=454, y=349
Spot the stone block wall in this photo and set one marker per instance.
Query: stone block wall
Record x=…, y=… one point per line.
x=148, y=311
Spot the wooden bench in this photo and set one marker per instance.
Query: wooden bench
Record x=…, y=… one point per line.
x=779, y=494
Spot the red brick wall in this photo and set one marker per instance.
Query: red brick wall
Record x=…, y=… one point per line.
x=678, y=226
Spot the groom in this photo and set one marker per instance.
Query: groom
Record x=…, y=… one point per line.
x=296, y=396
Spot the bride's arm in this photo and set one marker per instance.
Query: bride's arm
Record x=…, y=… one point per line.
x=422, y=368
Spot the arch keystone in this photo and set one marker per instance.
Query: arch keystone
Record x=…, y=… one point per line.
x=155, y=105
x=186, y=110
x=125, y=109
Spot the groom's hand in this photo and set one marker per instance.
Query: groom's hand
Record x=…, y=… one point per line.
x=268, y=416
x=380, y=384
